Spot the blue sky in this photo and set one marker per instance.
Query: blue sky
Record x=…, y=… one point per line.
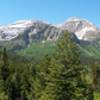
x=53, y=11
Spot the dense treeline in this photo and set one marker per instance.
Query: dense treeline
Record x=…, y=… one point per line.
x=61, y=76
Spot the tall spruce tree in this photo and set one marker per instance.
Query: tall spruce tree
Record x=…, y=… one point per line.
x=63, y=78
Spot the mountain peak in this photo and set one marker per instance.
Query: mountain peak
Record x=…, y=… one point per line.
x=78, y=19
x=82, y=28
x=74, y=19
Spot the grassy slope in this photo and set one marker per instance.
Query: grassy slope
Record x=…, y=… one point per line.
x=38, y=50
x=90, y=52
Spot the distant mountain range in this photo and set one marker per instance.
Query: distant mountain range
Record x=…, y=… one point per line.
x=25, y=32
x=83, y=29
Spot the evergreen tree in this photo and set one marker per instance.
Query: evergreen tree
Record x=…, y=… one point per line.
x=98, y=77
x=4, y=75
x=4, y=68
x=63, y=80
x=41, y=72
x=21, y=82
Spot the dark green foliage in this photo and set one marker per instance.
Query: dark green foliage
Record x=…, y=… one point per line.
x=4, y=67
x=21, y=82
x=96, y=76
x=62, y=73
x=16, y=79
x=59, y=75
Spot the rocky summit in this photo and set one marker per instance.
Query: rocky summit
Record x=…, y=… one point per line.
x=83, y=29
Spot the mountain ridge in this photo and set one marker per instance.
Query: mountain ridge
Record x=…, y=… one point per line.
x=21, y=34
x=25, y=32
x=82, y=28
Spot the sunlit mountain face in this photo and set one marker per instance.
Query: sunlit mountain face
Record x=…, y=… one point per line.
x=22, y=33
x=83, y=29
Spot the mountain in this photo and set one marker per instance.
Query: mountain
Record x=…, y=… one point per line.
x=39, y=30
x=83, y=29
x=23, y=33
x=33, y=28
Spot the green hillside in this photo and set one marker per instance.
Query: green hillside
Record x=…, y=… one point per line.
x=38, y=50
x=90, y=51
